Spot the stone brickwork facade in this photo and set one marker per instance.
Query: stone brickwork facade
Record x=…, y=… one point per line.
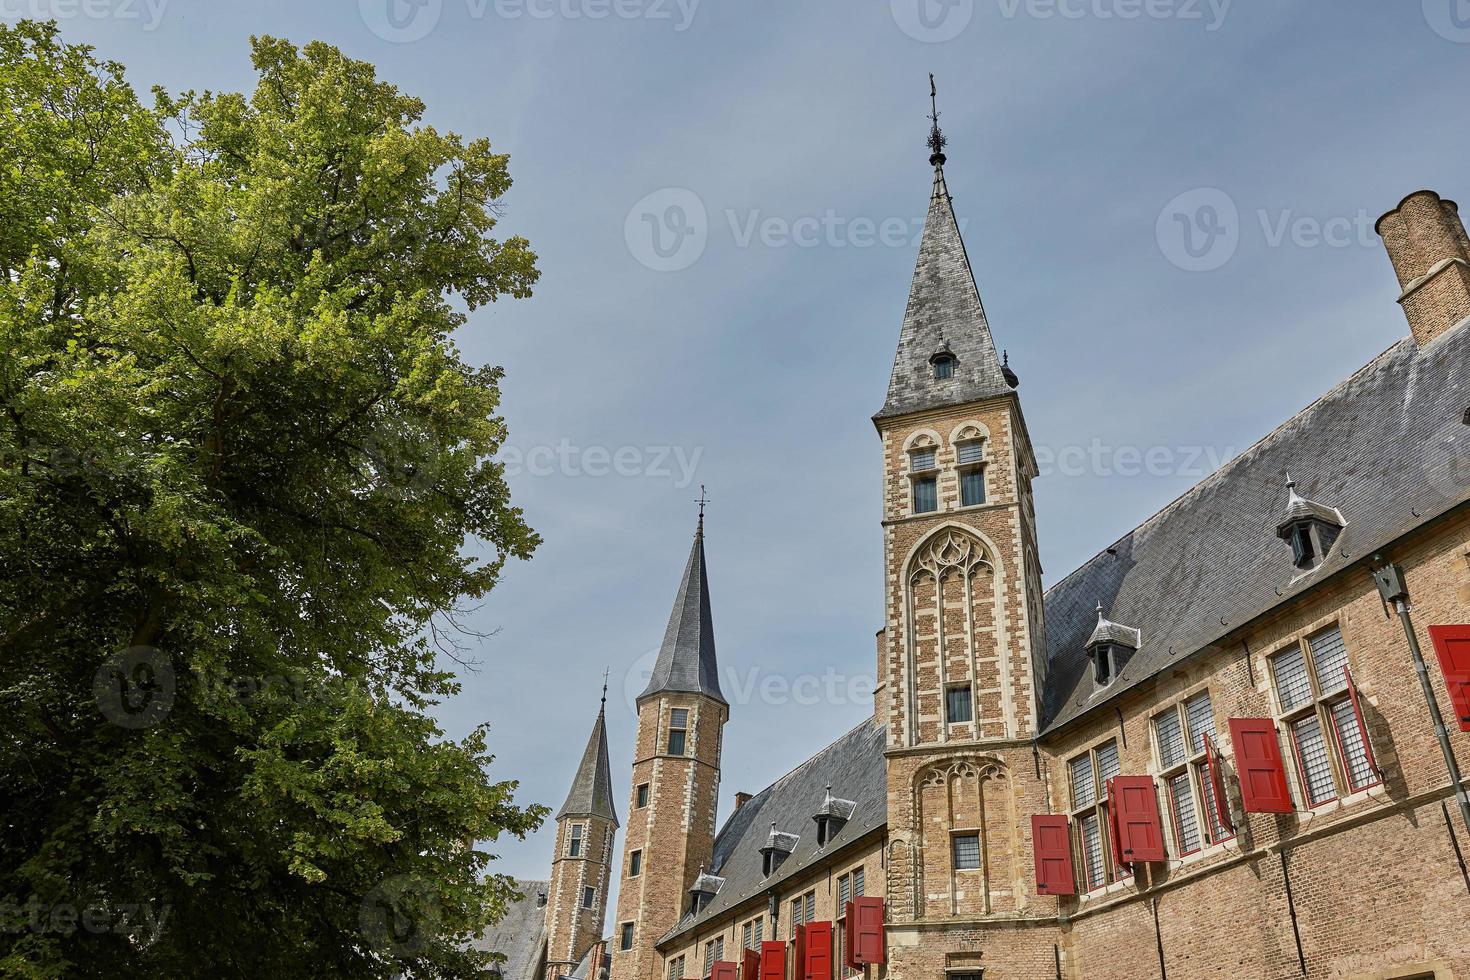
x=573, y=924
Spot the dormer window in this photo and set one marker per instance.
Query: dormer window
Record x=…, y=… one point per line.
x=1109, y=647
x=778, y=848
x=1102, y=664
x=706, y=887
x=832, y=816
x=943, y=367
x=1310, y=528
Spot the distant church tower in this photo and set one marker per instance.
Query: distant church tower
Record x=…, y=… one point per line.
x=581, y=873
x=962, y=652
x=676, y=779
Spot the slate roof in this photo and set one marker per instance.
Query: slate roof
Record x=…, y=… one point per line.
x=592, y=794
x=521, y=936
x=944, y=308
x=686, y=661
x=1299, y=508
x=853, y=765
x=1390, y=447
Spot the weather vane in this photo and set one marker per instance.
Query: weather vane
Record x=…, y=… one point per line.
x=937, y=140
x=703, y=499
x=605, y=675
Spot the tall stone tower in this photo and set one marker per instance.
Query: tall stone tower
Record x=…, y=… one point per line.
x=581, y=873
x=676, y=779
x=962, y=653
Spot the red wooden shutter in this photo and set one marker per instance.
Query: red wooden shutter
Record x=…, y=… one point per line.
x=849, y=937
x=750, y=967
x=868, y=940
x=1362, y=725
x=1258, y=765
x=773, y=961
x=1140, y=828
x=1051, y=843
x=1114, y=836
x=1216, y=774
x=819, y=951
x=1452, y=643
x=798, y=954
x=724, y=970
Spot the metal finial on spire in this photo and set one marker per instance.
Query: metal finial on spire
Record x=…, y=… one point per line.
x=937, y=139
x=1100, y=612
x=1290, y=483
x=703, y=499
x=607, y=672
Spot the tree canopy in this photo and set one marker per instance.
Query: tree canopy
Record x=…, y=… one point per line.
x=246, y=490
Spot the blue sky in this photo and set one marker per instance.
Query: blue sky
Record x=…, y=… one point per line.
x=778, y=149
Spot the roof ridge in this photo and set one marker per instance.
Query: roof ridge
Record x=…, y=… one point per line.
x=1230, y=464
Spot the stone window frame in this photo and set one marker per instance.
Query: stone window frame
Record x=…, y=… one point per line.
x=635, y=863
x=676, y=967
x=589, y=897
x=1322, y=704
x=1193, y=765
x=1096, y=809
x=714, y=951
x=753, y=933
x=576, y=838
x=627, y=933
x=641, y=794
x=972, y=433
x=954, y=854
x=951, y=688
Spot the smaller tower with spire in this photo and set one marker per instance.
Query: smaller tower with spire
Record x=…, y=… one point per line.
x=676, y=777
x=581, y=873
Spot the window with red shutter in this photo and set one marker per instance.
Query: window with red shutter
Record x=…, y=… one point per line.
x=773, y=961
x=819, y=951
x=1259, y=766
x=1139, y=826
x=849, y=937
x=868, y=943
x=798, y=954
x=724, y=970
x=1215, y=773
x=1051, y=843
x=1452, y=644
x=750, y=965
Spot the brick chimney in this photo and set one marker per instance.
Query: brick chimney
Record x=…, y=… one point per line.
x=1427, y=244
x=741, y=799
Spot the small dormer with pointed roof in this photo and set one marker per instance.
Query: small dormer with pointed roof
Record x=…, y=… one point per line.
x=778, y=848
x=832, y=816
x=1309, y=527
x=1109, y=648
x=706, y=886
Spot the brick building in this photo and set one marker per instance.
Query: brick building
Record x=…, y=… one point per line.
x=1208, y=752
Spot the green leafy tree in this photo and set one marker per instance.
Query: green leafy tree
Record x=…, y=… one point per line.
x=240, y=462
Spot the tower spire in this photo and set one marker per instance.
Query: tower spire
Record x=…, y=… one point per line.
x=591, y=794
x=686, y=660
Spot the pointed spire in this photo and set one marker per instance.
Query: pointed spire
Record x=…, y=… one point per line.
x=591, y=794
x=686, y=661
x=944, y=310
